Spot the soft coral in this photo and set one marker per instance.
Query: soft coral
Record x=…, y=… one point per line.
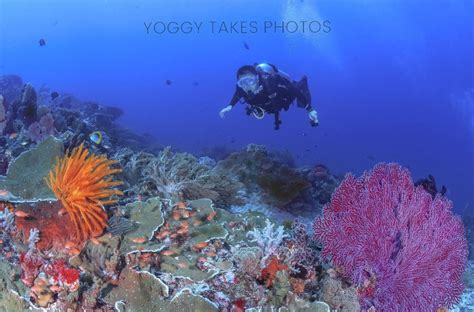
x=388, y=235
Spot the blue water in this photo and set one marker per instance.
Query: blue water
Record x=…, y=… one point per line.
x=390, y=81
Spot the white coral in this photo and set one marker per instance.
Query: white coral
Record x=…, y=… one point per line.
x=7, y=219
x=268, y=239
x=33, y=239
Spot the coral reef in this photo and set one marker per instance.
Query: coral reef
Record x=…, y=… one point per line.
x=227, y=232
x=404, y=250
x=83, y=184
x=3, y=115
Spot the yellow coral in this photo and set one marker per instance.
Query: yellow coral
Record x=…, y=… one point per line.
x=83, y=183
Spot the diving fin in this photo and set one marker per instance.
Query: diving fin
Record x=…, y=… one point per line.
x=302, y=85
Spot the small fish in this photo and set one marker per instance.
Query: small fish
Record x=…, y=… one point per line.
x=168, y=82
x=36, y=289
x=95, y=241
x=24, y=143
x=176, y=215
x=138, y=240
x=305, y=134
x=183, y=265
x=4, y=193
x=62, y=212
x=42, y=42
x=246, y=46
x=182, y=231
x=13, y=135
x=96, y=137
x=181, y=205
x=54, y=95
x=69, y=245
x=211, y=254
x=173, y=236
x=211, y=216
x=184, y=225
x=55, y=288
x=197, y=222
x=168, y=253
x=22, y=214
x=74, y=252
x=200, y=245
x=185, y=214
x=162, y=235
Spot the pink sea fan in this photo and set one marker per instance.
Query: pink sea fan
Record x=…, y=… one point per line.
x=404, y=250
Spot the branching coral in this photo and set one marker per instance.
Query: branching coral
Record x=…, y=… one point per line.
x=268, y=239
x=182, y=176
x=173, y=174
x=83, y=183
x=404, y=250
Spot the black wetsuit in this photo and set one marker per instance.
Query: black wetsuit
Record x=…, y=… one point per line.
x=277, y=93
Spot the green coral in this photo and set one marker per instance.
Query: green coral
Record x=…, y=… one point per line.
x=182, y=262
x=25, y=176
x=147, y=217
x=142, y=291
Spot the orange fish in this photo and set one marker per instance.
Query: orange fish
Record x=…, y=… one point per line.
x=74, y=252
x=62, y=212
x=162, y=235
x=211, y=216
x=4, y=193
x=176, y=215
x=184, y=225
x=211, y=254
x=95, y=241
x=182, y=231
x=183, y=265
x=55, y=288
x=22, y=214
x=168, y=253
x=181, y=205
x=69, y=245
x=200, y=245
x=13, y=135
x=197, y=222
x=138, y=240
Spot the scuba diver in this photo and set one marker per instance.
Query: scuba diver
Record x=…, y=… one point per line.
x=267, y=90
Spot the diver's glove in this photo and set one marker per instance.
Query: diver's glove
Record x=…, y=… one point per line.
x=225, y=110
x=313, y=118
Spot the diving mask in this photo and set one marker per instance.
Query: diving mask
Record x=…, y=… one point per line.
x=249, y=83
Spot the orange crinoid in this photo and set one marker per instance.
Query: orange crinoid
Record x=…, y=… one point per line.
x=83, y=183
